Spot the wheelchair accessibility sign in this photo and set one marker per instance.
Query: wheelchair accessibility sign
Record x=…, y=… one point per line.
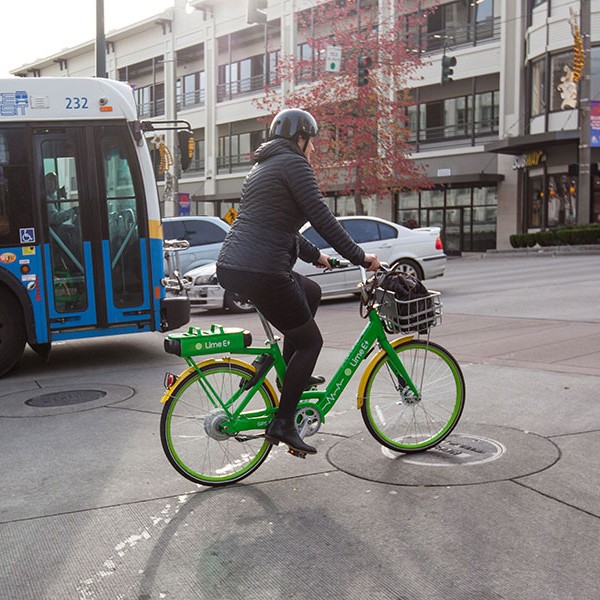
x=27, y=235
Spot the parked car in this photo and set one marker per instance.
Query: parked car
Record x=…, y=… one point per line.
x=205, y=235
x=206, y=292
x=417, y=251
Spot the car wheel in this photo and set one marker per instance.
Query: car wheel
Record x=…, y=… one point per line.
x=406, y=265
x=236, y=304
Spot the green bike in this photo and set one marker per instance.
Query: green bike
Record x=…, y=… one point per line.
x=411, y=393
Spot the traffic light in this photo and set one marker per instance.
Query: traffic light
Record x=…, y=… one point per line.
x=447, y=71
x=186, y=148
x=257, y=11
x=362, y=75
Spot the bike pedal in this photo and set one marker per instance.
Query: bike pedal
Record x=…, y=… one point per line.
x=296, y=453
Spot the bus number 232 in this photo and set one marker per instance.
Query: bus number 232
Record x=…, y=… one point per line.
x=76, y=103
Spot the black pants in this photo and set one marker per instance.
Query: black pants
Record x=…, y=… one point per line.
x=289, y=302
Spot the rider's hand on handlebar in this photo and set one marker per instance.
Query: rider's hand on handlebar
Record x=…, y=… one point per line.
x=323, y=262
x=371, y=263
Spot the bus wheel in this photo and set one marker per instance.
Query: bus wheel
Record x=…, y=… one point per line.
x=12, y=331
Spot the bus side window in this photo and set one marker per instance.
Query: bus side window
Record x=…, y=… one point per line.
x=16, y=198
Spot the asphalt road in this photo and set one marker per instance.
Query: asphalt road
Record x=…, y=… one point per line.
x=90, y=508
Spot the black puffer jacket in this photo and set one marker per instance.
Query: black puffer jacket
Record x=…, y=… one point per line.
x=278, y=196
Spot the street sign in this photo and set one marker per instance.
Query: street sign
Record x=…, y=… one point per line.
x=231, y=215
x=333, y=59
x=184, y=204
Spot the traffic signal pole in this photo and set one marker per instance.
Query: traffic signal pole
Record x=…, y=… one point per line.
x=585, y=152
x=100, y=40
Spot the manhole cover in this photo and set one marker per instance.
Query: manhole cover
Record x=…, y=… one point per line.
x=65, y=398
x=455, y=450
x=478, y=454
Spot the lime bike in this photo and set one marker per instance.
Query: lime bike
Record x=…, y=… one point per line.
x=411, y=393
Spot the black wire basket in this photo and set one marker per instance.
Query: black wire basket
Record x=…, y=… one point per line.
x=408, y=316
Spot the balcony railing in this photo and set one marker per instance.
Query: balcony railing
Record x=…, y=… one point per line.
x=233, y=163
x=191, y=99
x=454, y=135
x=157, y=108
x=470, y=34
x=240, y=87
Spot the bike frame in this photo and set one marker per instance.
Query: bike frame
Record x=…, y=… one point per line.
x=320, y=401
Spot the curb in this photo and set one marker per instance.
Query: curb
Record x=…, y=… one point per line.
x=546, y=251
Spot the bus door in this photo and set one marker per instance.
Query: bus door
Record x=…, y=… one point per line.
x=95, y=258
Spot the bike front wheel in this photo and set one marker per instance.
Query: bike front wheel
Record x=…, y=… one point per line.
x=408, y=422
x=190, y=431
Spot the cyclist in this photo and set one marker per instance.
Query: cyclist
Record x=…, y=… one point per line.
x=278, y=196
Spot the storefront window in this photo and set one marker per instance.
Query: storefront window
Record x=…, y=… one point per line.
x=538, y=87
x=432, y=198
x=348, y=206
x=485, y=196
x=536, y=196
x=596, y=199
x=466, y=215
x=458, y=197
x=562, y=200
x=408, y=200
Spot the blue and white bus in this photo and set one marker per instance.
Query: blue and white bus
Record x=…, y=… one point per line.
x=81, y=249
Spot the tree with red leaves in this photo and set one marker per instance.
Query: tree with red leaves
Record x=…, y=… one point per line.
x=362, y=146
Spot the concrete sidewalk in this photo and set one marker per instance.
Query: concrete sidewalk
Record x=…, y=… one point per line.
x=507, y=509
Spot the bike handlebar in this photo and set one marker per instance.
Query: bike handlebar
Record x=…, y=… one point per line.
x=175, y=245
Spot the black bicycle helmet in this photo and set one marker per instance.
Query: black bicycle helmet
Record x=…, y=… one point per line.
x=292, y=122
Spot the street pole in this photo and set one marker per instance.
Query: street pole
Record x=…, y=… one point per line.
x=100, y=40
x=585, y=153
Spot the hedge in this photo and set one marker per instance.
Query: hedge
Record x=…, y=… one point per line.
x=570, y=235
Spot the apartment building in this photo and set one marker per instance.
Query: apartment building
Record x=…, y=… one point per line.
x=499, y=141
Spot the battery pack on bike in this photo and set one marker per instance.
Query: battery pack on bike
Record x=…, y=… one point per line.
x=216, y=339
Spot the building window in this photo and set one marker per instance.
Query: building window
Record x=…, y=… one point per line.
x=551, y=202
x=564, y=90
x=241, y=78
x=466, y=215
x=236, y=151
x=191, y=90
x=150, y=100
x=562, y=200
x=538, y=87
x=311, y=62
x=456, y=23
x=198, y=160
x=595, y=73
x=595, y=199
x=487, y=111
x=535, y=195
x=453, y=118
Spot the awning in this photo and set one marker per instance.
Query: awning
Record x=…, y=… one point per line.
x=470, y=178
x=525, y=143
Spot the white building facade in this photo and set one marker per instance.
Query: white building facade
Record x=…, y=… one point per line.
x=500, y=141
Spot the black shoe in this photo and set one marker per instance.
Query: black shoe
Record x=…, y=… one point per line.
x=282, y=430
x=313, y=381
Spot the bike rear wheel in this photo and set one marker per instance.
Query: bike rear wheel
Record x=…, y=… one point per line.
x=190, y=429
x=399, y=419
